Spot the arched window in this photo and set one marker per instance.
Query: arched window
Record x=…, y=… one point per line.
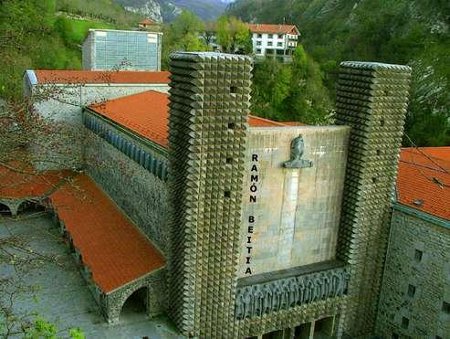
x=135, y=305
x=31, y=207
x=5, y=210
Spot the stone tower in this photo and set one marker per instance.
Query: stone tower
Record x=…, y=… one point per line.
x=210, y=96
x=372, y=99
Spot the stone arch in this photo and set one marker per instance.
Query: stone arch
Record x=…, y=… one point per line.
x=30, y=205
x=12, y=204
x=136, y=303
x=5, y=210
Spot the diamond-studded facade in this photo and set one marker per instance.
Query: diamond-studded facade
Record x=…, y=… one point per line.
x=270, y=229
x=372, y=99
x=210, y=96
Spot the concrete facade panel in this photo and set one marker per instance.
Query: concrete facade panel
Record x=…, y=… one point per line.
x=296, y=213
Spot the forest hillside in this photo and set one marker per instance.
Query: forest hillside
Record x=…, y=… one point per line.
x=413, y=32
x=48, y=34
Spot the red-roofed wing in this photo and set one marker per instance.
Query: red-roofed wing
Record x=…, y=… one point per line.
x=424, y=180
x=114, y=250
x=146, y=114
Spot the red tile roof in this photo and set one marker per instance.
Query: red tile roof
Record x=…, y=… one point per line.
x=255, y=121
x=20, y=181
x=146, y=114
x=100, y=77
x=423, y=180
x=147, y=21
x=273, y=29
x=115, y=251
x=111, y=246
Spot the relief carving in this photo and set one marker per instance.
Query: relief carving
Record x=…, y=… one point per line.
x=297, y=149
x=260, y=299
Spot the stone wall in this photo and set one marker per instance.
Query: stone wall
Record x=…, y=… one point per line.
x=416, y=280
x=291, y=215
x=141, y=194
x=372, y=99
x=113, y=302
x=62, y=106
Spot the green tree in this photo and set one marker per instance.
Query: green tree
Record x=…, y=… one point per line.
x=428, y=119
x=267, y=76
x=187, y=22
x=291, y=92
x=183, y=34
x=28, y=40
x=233, y=35
x=413, y=32
x=309, y=101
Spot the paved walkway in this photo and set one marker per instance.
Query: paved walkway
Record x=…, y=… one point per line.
x=39, y=265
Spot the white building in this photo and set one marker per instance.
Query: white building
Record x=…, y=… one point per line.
x=277, y=41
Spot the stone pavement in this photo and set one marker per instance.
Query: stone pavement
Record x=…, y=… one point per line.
x=35, y=261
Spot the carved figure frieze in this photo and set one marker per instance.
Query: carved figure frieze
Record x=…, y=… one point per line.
x=259, y=299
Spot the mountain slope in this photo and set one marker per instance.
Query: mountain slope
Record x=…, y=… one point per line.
x=167, y=10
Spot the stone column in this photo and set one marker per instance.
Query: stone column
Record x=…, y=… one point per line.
x=209, y=104
x=372, y=99
x=287, y=227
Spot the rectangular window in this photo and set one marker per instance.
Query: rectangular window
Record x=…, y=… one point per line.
x=411, y=291
x=258, y=43
x=446, y=307
x=270, y=36
x=258, y=51
x=280, y=36
x=259, y=36
x=279, y=44
x=418, y=255
x=269, y=43
x=405, y=322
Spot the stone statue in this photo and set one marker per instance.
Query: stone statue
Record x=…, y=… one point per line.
x=240, y=306
x=267, y=299
x=297, y=149
x=293, y=288
x=257, y=300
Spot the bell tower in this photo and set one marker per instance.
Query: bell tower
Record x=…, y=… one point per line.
x=210, y=100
